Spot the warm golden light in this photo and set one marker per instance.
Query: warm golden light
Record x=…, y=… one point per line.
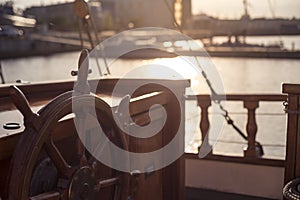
x=178, y=11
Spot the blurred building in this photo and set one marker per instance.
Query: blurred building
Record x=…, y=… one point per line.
x=61, y=16
x=210, y=26
x=141, y=13
x=56, y=16
x=116, y=14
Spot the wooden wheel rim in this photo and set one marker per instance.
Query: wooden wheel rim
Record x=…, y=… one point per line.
x=32, y=141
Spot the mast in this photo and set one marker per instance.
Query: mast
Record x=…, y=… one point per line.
x=246, y=14
x=245, y=8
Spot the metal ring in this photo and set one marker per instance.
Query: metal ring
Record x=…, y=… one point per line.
x=11, y=126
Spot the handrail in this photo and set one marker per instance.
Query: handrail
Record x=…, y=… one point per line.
x=41, y=93
x=250, y=103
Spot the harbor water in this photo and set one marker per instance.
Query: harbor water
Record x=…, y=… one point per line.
x=239, y=76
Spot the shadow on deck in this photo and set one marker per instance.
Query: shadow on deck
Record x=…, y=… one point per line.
x=204, y=194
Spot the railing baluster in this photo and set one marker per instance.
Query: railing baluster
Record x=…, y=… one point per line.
x=204, y=104
x=251, y=103
x=251, y=128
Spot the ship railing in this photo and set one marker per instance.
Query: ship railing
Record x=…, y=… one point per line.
x=251, y=103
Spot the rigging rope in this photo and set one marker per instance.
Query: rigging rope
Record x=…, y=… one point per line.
x=214, y=94
x=1, y=74
x=85, y=20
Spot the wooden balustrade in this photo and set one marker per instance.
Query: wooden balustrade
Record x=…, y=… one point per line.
x=251, y=103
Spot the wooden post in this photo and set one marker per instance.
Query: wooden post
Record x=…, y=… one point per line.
x=204, y=103
x=204, y=125
x=251, y=128
x=292, y=164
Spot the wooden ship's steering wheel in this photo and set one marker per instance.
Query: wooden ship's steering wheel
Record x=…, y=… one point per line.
x=50, y=161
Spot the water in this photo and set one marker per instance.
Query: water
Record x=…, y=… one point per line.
x=291, y=42
x=239, y=75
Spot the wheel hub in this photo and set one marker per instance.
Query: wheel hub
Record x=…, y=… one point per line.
x=82, y=184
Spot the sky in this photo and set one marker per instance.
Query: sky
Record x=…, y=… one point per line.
x=256, y=8
x=217, y=8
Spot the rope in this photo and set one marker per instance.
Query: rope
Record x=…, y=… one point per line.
x=211, y=88
x=291, y=190
x=88, y=22
x=1, y=74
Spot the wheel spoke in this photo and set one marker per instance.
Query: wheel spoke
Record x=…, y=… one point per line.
x=107, y=183
x=46, y=196
x=63, y=167
x=80, y=149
